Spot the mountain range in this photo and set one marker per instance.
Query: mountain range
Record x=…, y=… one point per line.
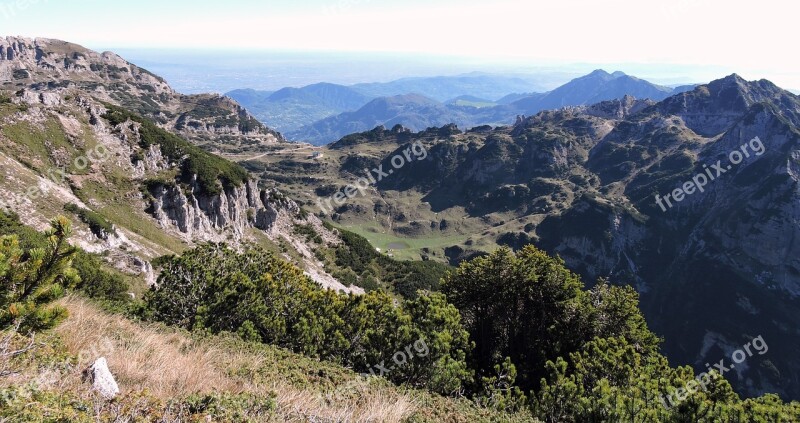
x=321, y=116
x=290, y=109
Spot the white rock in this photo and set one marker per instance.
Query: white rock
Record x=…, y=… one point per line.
x=102, y=379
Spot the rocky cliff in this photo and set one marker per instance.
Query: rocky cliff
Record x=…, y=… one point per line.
x=61, y=146
x=42, y=64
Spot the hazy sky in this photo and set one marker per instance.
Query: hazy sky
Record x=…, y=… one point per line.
x=748, y=37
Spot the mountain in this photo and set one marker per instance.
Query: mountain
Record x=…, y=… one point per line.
x=713, y=269
x=117, y=148
x=226, y=300
x=289, y=109
x=510, y=98
x=590, y=89
x=412, y=111
x=249, y=97
x=45, y=64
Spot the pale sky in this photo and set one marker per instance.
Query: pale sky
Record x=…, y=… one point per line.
x=752, y=38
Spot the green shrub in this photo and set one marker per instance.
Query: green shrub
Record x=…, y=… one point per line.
x=95, y=280
x=581, y=355
x=308, y=232
x=97, y=223
x=30, y=279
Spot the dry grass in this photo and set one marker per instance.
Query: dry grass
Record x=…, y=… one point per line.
x=173, y=365
x=168, y=375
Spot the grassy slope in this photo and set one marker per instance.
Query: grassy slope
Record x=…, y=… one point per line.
x=114, y=192
x=170, y=375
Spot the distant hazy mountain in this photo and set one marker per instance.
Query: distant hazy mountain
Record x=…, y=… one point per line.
x=417, y=112
x=684, y=88
x=249, y=97
x=590, y=89
x=413, y=111
x=510, y=98
x=444, y=88
x=290, y=108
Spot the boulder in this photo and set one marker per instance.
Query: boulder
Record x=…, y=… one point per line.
x=102, y=379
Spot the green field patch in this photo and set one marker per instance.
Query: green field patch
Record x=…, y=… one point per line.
x=405, y=248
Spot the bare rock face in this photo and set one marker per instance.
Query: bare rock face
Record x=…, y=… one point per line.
x=102, y=380
x=200, y=216
x=31, y=60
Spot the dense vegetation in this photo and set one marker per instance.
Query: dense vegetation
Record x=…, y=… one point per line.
x=515, y=331
x=97, y=223
x=212, y=172
x=31, y=278
x=94, y=280
x=530, y=336
x=263, y=298
x=219, y=378
x=367, y=267
x=530, y=308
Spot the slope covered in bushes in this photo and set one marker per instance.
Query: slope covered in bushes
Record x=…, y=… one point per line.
x=514, y=333
x=513, y=337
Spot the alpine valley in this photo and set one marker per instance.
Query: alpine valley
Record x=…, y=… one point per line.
x=524, y=250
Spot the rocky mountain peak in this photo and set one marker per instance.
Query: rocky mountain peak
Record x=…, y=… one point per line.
x=26, y=61
x=600, y=73
x=713, y=108
x=42, y=65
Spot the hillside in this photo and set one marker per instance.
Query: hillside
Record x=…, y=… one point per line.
x=71, y=146
x=289, y=109
x=413, y=111
x=237, y=301
x=174, y=375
